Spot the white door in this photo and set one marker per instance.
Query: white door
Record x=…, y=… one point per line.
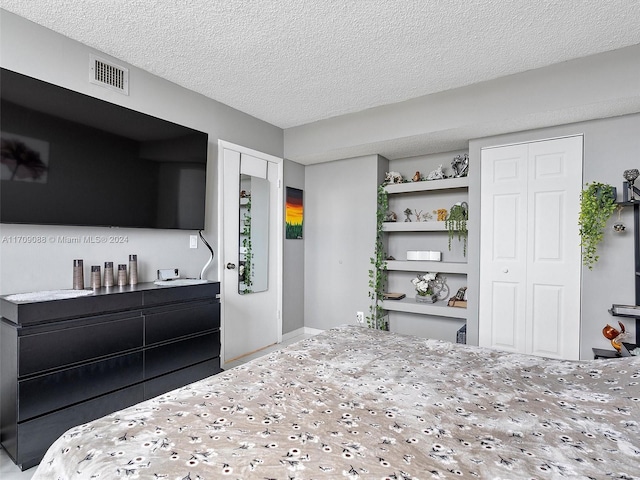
x=250, y=236
x=530, y=263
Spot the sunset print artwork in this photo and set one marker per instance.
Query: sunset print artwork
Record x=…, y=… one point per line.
x=294, y=214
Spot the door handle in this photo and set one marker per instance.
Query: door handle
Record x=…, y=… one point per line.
x=231, y=266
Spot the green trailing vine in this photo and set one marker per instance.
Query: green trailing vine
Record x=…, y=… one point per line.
x=378, y=272
x=597, y=204
x=245, y=274
x=456, y=222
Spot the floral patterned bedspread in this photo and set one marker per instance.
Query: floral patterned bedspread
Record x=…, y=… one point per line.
x=357, y=403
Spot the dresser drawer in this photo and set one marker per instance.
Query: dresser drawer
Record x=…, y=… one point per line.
x=172, y=295
x=171, y=381
x=46, y=393
x=183, y=321
x=35, y=436
x=67, y=346
x=176, y=355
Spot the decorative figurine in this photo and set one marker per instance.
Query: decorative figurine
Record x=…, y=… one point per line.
x=460, y=165
x=392, y=178
x=461, y=294
x=391, y=217
x=418, y=214
x=407, y=213
x=416, y=176
x=630, y=176
x=436, y=174
x=459, y=299
x=614, y=335
x=442, y=214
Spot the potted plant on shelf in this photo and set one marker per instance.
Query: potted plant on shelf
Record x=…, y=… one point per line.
x=597, y=204
x=457, y=222
x=425, y=287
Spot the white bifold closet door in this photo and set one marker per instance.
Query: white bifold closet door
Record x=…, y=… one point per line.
x=530, y=262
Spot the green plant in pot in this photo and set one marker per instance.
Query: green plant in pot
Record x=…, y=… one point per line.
x=597, y=204
x=456, y=222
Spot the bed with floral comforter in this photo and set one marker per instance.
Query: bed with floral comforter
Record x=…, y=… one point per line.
x=357, y=403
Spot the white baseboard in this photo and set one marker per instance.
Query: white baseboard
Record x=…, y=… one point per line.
x=312, y=331
x=300, y=331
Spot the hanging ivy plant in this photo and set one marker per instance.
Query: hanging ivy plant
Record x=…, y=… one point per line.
x=246, y=270
x=597, y=204
x=378, y=272
x=456, y=222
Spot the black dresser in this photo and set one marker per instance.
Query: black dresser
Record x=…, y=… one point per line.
x=66, y=362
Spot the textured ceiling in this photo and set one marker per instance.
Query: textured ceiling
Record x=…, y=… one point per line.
x=292, y=62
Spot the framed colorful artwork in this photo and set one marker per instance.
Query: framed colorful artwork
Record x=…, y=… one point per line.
x=294, y=214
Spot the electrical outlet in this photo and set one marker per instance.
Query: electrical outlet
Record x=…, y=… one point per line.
x=360, y=317
x=193, y=241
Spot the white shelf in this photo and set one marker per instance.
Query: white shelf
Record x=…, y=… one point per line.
x=409, y=305
x=426, y=185
x=414, y=227
x=426, y=266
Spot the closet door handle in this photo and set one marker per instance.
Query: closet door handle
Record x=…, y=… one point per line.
x=231, y=266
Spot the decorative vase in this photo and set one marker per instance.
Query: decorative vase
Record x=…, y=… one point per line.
x=426, y=298
x=108, y=274
x=78, y=274
x=95, y=276
x=122, y=274
x=133, y=269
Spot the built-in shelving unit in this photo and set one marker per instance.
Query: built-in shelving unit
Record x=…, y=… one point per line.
x=443, y=193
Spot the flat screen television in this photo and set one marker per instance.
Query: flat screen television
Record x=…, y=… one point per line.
x=72, y=159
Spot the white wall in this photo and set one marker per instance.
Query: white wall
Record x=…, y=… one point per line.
x=611, y=146
x=293, y=261
x=38, y=52
x=340, y=226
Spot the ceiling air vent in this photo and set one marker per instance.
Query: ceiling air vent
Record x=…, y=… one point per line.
x=110, y=75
